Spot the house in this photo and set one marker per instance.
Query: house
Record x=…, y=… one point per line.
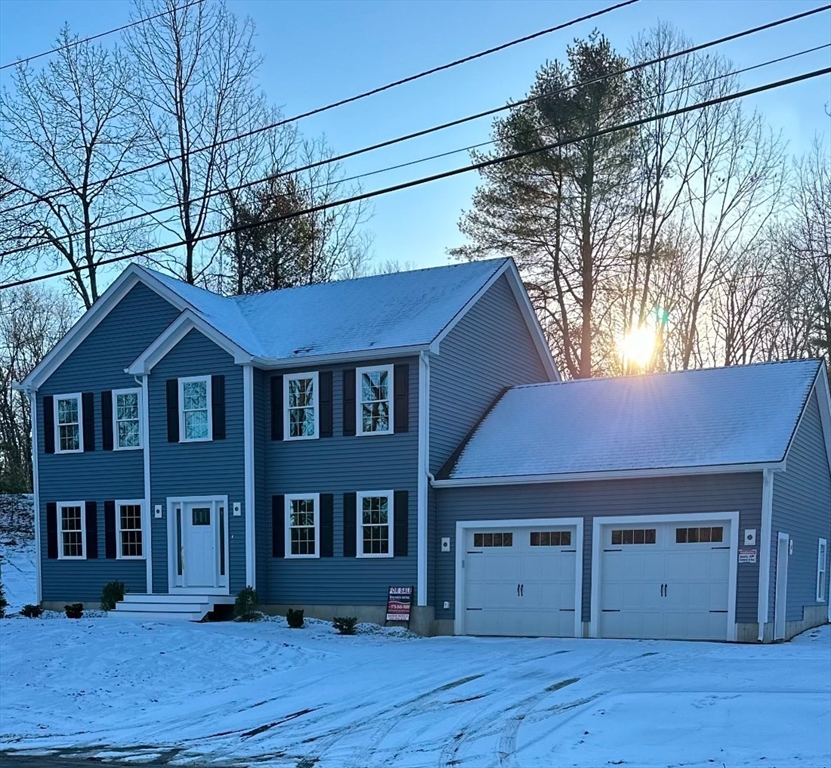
x=327, y=442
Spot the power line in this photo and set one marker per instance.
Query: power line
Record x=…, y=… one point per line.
x=273, y=177
x=340, y=103
x=95, y=37
x=444, y=175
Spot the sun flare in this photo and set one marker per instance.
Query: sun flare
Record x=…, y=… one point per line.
x=637, y=347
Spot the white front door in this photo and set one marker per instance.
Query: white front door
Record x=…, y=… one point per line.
x=520, y=581
x=665, y=580
x=198, y=532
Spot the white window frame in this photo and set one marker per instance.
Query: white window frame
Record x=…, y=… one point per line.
x=73, y=396
x=359, y=513
x=209, y=403
x=313, y=375
x=822, y=575
x=118, y=543
x=60, y=507
x=315, y=497
x=359, y=422
x=129, y=391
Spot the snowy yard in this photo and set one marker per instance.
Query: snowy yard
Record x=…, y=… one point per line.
x=262, y=694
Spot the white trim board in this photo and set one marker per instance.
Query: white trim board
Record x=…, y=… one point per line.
x=249, y=489
x=614, y=474
x=765, y=544
x=597, y=545
x=33, y=410
x=423, y=476
x=145, y=427
x=542, y=522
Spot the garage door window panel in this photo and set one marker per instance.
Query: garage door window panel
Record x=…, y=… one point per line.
x=493, y=539
x=706, y=535
x=550, y=538
x=633, y=536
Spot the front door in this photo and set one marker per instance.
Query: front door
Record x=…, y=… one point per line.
x=200, y=536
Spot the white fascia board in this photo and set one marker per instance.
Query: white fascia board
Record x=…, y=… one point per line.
x=623, y=474
x=177, y=331
x=357, y=356
x=132, y=275
x=824, y=400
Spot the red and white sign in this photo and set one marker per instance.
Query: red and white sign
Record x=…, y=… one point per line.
x=399, y=601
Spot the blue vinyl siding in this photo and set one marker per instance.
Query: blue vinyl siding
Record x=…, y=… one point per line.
x=213, y=468
x=98, y=364
x=802, y=509
x=338, y=465
x=672, y=495
x=490, y=348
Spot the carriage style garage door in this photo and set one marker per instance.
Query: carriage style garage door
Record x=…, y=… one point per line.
x=519, y=580
x=667, y=580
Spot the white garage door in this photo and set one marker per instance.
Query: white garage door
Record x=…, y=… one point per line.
x=669, y=580
x=520, y=581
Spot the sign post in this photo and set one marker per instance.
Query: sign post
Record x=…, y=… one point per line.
x=399, y=603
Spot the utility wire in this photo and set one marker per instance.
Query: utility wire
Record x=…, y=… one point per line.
x=452, y=123
x=273, y=177
x=95, y=37
x=342, y=102
x=444, y=175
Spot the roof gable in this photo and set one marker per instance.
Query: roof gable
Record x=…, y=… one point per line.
x=743, y=416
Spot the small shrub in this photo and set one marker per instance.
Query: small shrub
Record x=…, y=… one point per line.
x=112, y=593
x=294, y=617
x=345, y=625
x=74, y=611
x=245, y=606
x=31, y=611
x=3, y=603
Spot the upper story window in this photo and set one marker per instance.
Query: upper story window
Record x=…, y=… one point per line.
x=195, y=408
x=375, y=511
x=68, y=434
x=126, y=424
x=302, y=525
x=374, y=400
x=73, y=530
x=302, y=418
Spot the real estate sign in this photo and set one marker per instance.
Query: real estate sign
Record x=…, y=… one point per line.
x=399, y=602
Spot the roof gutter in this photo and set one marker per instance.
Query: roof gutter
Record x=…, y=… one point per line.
x=622, y=474
x=275, y=363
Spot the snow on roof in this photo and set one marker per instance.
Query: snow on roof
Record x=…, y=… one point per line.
x=385, y=311
x=708, y=417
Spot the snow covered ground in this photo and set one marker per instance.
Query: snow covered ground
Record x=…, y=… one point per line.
x=262, y=694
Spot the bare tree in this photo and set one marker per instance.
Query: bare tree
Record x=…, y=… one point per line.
x=193, y=89
x=69, y=126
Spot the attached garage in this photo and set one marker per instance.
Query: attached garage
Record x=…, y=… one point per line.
x=665, y=579
x=520, y=578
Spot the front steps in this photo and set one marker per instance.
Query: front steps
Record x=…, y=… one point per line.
x=168, y=607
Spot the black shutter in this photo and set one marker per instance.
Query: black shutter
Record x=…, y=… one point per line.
x=400, y=515
x=276, y=407
x=91, y=513
x=49, y=428
x=327, y=524
x=350, y=512
x=349, y=401
x=218, y=407
x=278, y=525
x=109, y=529
x=88, y=408
x=324, y=402
x=401, y=393
x=107, y=420
x=173, y=410
x=52, y=529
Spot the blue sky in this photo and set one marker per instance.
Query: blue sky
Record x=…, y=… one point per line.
x=317, y=52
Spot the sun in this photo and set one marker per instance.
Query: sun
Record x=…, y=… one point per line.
x=637, y=348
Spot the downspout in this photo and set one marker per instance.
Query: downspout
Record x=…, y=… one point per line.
x=248, y=470
x=423, y=474
x=763, y=607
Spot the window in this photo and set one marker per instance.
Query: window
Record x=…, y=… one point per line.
x=302, y=524
x=375, y=524
x=73, y=530
x=550, y=538
x=493, y=539
x=68, y=435
x=633, y=536
x=126, y=426
x=129, y=540
x=195, y=408
x=374, y=400
x=699, y=535
x=822, y=557
x=301, y=416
